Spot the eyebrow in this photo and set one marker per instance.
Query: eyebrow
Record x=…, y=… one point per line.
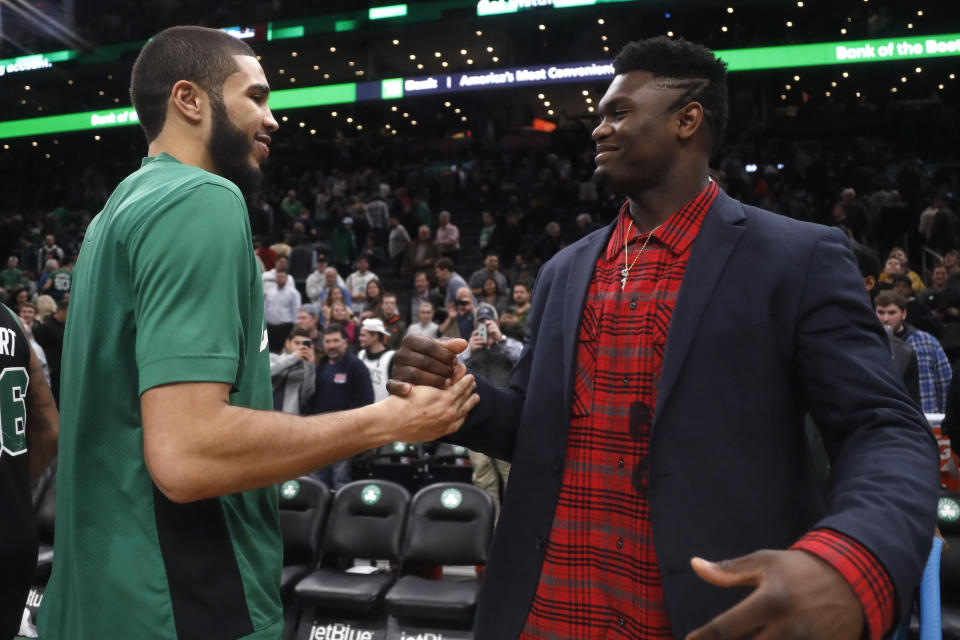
x=262, y=88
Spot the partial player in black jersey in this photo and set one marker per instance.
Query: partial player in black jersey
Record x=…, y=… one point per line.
x=28, y=442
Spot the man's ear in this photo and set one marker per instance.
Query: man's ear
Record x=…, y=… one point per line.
x=689, y=120
x=870, y=282
x=189, y=100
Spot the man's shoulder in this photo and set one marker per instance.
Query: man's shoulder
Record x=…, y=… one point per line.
x=922, y=339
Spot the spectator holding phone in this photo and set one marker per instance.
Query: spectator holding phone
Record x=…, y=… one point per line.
x=293, y=373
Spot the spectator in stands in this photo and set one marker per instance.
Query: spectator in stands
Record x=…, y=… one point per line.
x=317, y=281
x=932, y=362
x=341, y=314
x=492, y=295
x=266, y=256
x=12, y=276
x=448, y=237
x=920, y=315
x=57, y=282
x=396, y=327
x=373, y=252
x=492, y=356
x=342, y=382
x=332, y=282
x=375, y=355
x=490, y=269
x=27, y=312
x=374, y=300
x=303, y=259
x=942, y=299
x=46, y=306
x=915, y=279
x=448, y=280
x=357, y=284
x=376, y=213
x=309, y=319
x=343, y=245
x=293, y=373
x=423, y=292
x=332, y=296
x=951, y=260
x=49, y=334
x=291, y=205
x=460, y=321
x=585, y=224
x=422, y=253
x=280, y=305
x=513, y=322
x=424, y=326
x=49, y=250
x=508, y=237
x=904, y=355
x=487, y=230
x=269, y=276
x=397, y=242
x=547, y=244
x=421, y=212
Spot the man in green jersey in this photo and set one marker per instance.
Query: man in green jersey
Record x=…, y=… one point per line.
x=167, y=523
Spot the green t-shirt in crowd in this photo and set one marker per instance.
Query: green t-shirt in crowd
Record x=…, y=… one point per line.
x=60, y=282
x=11, y=278
x=166, y=289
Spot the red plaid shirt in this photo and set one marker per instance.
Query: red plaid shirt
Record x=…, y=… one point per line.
x=600, y=577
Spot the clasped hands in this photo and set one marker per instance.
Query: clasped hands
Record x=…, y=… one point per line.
x=796, y=595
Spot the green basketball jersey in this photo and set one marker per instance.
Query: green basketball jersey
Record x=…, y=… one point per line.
x=166, y=289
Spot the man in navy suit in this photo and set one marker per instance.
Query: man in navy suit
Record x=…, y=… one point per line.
x=656, y=416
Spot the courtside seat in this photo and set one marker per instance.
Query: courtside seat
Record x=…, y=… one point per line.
x=303, y=508
x=449, y=524
x=399, y=462
x=448, y=463
x=948, y=520
x=366, y=521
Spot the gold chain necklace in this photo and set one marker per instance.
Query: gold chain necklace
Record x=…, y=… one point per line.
x=627, y=266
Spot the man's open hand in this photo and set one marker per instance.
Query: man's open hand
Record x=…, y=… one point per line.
x=426, y=413
x=424, y=361
x=797, y=596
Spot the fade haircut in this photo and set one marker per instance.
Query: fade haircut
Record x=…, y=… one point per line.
x=197, y=54
x=680, y=64
x=888, y=297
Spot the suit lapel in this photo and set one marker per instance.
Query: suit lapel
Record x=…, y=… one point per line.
x=580, y=268
x=721, y=230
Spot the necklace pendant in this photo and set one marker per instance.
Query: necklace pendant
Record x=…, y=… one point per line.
x=625, y=272
x=623, y=280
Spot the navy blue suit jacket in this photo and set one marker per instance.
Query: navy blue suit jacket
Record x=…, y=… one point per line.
x=772, y=321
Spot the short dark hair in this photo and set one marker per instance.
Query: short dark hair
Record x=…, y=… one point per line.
x=197, y=54
x=388, y=294
x=701, y=75
x=334, y=327
x=867, y=260
x=525, y=285
x=901, y=278
x=888, y=297
x=298, y=331
x=445, y=263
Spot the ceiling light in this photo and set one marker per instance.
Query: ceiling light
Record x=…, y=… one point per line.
x=115, y=100
x=326, y=76
x=604, y=38
x=843, y=31
x=479, y=33
x=858, y=94
x=352, y=63
x=550, y=112
x=349, y=120
x=96, y=137
x=443, y=64
x=599, y=20
x=585, y=92
x=34, y=143
x=259, y=58
x=606, y=48
x=406, y=115
x=396, y=42
x=827, y=93
x=463, y=52
x=723, y=28
x=589, y=101
x=783, y=96
x=437, y=54
x=729, y=9
x=281, y=71
x=333, y=113
x=446, y=104
x=463, y=118
x=494, y=58
x=457, y=110
x=393, y=108
x=846, y=74
x=469, y=61
x=788, y=87
x=903, y=78
x=313, y=132
x=26, y=87
x=333, y=49
x=800, y=3
x=360, y=72
x=316, y=67
x=796, y=78
x=789, y=23
x=540, y=96
x=546, y=103
x=293, y=79
x=293, y=54
x=919, y=69
x=284, y=118
x=893, y=89
x=909, y=25
x=413, y=122
x=359, y=127
x=100, y=92
x=920, y=12
x=420, y=65
x=47, y=156
x=953, y=76
x=939, y=86
x=70, y=81
x=670, y=34
x=833, y=84
x=413, y=56
x=590, y=109
x=489, y=49
x=303, y=124
x=542, y=27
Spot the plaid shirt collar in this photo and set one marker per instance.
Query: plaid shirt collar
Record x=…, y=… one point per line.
x=676, y=233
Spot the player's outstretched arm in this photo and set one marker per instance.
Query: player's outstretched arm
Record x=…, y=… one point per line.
x=197, y=445
x=43, y=420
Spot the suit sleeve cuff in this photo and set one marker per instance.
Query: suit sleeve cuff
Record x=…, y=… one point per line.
x=861, y=570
